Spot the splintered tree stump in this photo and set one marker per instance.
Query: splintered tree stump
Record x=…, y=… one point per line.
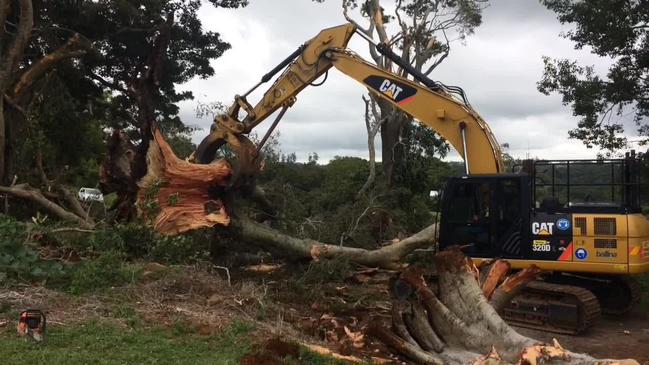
x=454, y=323
x=175, y=194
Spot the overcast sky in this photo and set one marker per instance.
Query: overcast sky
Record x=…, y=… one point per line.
x=498, y=67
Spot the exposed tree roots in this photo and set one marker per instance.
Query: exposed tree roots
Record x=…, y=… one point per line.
x=454, y=323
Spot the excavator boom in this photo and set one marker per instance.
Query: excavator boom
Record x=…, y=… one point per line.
x=425, y=100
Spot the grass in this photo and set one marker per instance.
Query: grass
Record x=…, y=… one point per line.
x=106, y=344
x=97, y=343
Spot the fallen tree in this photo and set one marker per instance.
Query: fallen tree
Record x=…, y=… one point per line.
x=178, y=196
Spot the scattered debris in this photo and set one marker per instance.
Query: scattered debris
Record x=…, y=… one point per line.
x=263, y=268
x=357, y=338
x=326, y=352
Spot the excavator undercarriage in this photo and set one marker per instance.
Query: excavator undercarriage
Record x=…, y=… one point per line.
x=570, y=304
x=553, y=307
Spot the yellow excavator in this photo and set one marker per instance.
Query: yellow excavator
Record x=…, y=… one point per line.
x=589, y=237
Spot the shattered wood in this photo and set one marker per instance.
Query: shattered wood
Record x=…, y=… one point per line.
x=174, y=194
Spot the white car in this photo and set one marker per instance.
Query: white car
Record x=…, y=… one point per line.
x=90, y=194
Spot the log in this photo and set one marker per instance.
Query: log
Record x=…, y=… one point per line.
x=388, y=257
x=403, y=347
x=495, y=275
x=26, y=192
x=512, y=286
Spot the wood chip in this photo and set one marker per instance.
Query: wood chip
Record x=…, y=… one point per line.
x=326, y=352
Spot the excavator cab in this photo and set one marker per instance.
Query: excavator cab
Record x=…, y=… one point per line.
x=486, y=214
x=574, y=211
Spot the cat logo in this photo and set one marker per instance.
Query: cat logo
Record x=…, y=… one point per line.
x=390, y=89
x=542, y=229
x=395, y=90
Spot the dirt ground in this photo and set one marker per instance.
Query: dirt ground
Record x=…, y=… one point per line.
x=345, y=303
x=612, y=336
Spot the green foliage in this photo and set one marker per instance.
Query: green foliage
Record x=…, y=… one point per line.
x=137, y=241
x=108, y=270
x=65, y=113
x=615, y=29
x=97, y=343
x=321, y=202
x=150, y=205
x=19, y=260
x=183, y=249
x=181, y=144
x=125, y=32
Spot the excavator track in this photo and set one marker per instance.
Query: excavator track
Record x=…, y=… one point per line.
x=617, y=295
x=554, y=308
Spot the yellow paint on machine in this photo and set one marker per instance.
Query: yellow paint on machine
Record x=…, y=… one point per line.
x=567, y=266
x=621, y=250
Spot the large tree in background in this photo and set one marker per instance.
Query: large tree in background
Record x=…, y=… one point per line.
x=72, y=68
x=147, y=47
x=422, y=32
x=617, y=30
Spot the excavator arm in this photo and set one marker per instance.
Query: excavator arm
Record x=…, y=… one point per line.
x=429, y=102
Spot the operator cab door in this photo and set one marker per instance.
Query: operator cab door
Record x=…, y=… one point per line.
x=486, y=215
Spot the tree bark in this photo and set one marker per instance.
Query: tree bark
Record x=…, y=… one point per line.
x=462, y=320
x=391, y=131
x=9, y=60
x=389, y=257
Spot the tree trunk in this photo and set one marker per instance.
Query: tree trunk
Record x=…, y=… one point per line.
x=453, y=323
x=391, y=129
x=142, y=89
x=372, y=125
x=3, y=140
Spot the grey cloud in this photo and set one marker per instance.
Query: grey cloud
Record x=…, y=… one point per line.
x=498, y=67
